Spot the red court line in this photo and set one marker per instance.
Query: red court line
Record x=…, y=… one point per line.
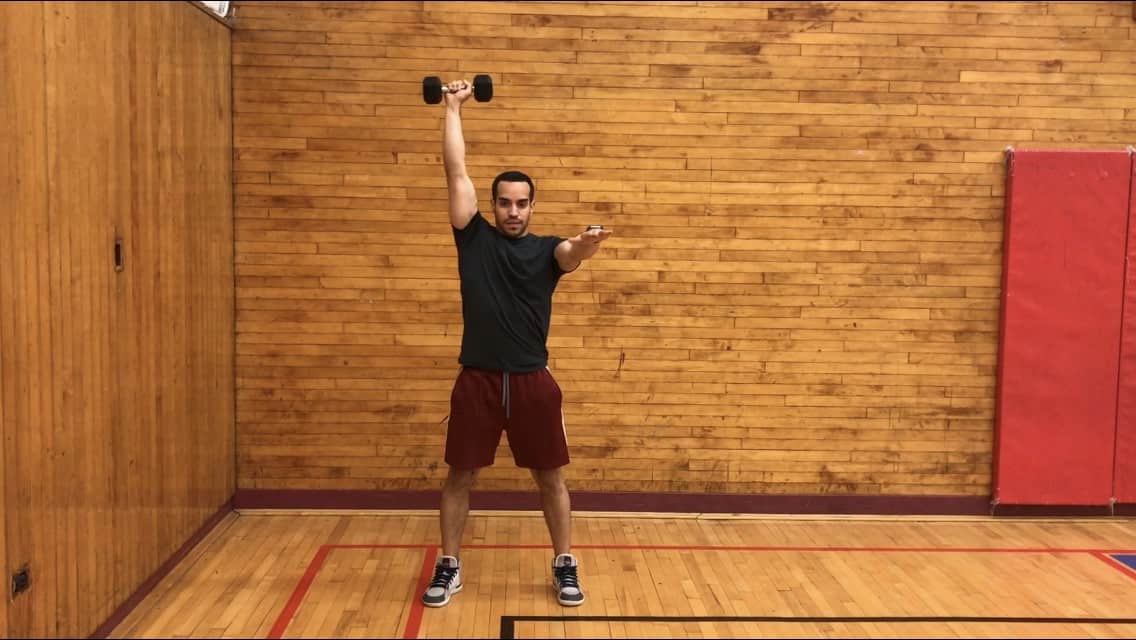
x=298, y=594
x=414, y=617
x=682, y=547
x=1114, y=563
x=664, y=547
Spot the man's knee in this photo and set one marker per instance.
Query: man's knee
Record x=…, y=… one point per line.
x=549, y=480
x=460, y=479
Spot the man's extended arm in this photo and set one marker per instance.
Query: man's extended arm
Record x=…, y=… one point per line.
x=463, y=197
x=571, y=252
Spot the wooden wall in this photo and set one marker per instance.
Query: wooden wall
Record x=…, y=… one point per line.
x=117, y=401
x=802, y=292
x=24, y=186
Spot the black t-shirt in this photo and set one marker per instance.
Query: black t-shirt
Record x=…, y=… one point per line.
x=506, y=287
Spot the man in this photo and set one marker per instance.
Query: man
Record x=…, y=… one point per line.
x=507, y=279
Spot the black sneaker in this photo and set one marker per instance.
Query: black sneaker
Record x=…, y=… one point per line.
x=447, y=581
x=565, y=582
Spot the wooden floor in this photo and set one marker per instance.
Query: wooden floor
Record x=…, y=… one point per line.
x=358, y=574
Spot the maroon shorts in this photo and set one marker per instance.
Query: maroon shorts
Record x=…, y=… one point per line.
x=527, y=408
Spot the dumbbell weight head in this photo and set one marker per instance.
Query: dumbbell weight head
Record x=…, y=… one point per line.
x=433, y=89
x=482, y=88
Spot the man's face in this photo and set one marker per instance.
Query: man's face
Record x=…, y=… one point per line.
x=512, y=208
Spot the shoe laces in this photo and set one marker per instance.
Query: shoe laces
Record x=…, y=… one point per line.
x=566, y=576
x=443, y=576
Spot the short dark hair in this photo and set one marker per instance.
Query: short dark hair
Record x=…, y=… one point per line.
x=514, y=176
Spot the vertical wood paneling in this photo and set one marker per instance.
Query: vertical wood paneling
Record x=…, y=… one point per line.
x=28, y=389
x=88, y=133
x=137, y=450
x=178, y=281
x=214, y=267
x=118, y=395
x=801, y=294
x=170, y=252
x=4, y=298
x=194, y=248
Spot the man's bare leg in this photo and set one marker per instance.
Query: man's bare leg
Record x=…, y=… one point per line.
x=557, y=507
x=455, y=508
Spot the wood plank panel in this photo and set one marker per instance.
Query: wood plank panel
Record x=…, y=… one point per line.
x=118, y=396
x=205, y=109
x=25, y=348
x=89, y=168
x=3, y=480
x=807, y=203
x=181, y=278
x=137, y=454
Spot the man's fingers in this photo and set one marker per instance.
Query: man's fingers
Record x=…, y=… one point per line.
x=595, y=236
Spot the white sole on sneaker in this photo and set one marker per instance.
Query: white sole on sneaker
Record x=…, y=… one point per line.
x=446, y=601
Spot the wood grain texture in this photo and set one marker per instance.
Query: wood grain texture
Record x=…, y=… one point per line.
x=25, y=368
x=118, y=385
x=294, y=575
x=802, y=291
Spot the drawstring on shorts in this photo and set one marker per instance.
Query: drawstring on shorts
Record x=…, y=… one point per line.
x=505, y=392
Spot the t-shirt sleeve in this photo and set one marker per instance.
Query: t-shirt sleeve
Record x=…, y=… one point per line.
x=551, y=243
x=463, y=237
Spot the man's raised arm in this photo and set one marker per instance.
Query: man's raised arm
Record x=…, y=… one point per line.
x=463, y=197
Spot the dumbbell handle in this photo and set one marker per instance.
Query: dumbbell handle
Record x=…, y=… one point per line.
x=446, y=88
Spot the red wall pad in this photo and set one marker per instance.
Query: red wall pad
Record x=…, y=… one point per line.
x=1062, y=291
x=1124, y=475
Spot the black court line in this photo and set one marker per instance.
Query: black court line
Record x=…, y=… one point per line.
x=508, y=623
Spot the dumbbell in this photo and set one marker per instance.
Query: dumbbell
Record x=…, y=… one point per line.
x=432, y=89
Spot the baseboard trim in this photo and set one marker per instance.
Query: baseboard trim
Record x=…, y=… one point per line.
x=1124, y=509
x=1052, y=510
x=583, y=501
